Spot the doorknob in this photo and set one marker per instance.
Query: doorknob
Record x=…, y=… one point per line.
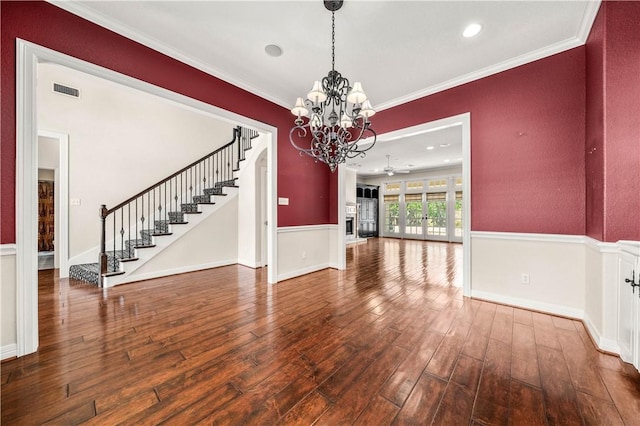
x=632, y=282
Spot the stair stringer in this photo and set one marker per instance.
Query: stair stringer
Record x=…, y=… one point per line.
x=152, y=262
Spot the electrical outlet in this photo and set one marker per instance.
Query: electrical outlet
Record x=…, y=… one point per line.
x=524, y=279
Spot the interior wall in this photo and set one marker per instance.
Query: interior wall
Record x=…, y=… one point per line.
x=121, y=142
x=214, y=242
x=249, y=199
x=350, y=177
x=527, y=143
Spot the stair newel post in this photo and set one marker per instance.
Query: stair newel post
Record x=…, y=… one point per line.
x=239, y=138
x=103, y=255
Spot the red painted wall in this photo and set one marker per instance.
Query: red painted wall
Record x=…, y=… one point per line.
x=304, y=182
x=622, y=121
x=594, y=157
x=527, y=143
x=613, y=123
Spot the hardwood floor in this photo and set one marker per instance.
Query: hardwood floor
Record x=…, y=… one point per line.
x=389, y=341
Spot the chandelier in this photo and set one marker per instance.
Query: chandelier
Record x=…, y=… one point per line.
x=336, y=115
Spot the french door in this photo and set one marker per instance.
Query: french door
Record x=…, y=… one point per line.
x=426, y=210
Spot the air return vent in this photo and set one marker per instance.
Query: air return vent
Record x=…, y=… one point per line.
x=66, y=90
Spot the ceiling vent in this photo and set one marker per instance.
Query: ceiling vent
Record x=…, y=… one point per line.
x=66, y=90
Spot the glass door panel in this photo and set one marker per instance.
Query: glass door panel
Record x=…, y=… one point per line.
x=436, y=223
x=413, y=216
x=391, y=215
x=458, y=216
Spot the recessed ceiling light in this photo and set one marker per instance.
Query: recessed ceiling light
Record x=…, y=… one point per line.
x=444, y=145
x=447, y=161
x=472, y=30
x=273, y=50
x=429, y=148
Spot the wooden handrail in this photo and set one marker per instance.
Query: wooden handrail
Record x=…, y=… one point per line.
x=107, y=212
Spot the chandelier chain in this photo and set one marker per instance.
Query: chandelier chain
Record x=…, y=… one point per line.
x=333, y=41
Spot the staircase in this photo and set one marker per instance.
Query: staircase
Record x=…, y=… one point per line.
x=127, y=229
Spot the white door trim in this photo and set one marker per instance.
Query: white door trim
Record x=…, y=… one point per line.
x=27, y=57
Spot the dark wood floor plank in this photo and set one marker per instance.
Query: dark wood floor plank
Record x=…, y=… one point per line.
x=351, y=404
x=526, y=405
x=379, y=412
x=625, y=393
x=307, y=411
x=400, y=384
x=584, y=373
x=596, y=411
x=359, y=346
x=476, y=344
x=524, y=357
x=446, y=356
x=559, y=394
x=467, y=373
x=492, y=402
x=455, y=406
x=423, y=402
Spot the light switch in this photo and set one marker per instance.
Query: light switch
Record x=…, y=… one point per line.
x=74, y=201
x=283, y=201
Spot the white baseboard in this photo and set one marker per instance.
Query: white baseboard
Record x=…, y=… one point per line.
x=602, y=343
x=549, y=308
x=8, y=351
x=110, y=282
x=247, y=263
x=303, y=271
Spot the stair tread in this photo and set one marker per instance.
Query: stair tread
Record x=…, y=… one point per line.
x=112, y=274
x=144, y=246
x=128, y=259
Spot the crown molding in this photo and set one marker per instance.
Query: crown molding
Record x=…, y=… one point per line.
x=485, y=72
x=589, y=15
x=152, y=43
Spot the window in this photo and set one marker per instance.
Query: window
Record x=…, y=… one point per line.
x=392, y=187
x=415, y=186
x=392, y=214
x=437, y=183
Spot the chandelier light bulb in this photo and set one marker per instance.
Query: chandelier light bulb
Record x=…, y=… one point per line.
x=299, y=109
x=367, y=110
x=357, y=95
x=345, y=122
x=317, y=94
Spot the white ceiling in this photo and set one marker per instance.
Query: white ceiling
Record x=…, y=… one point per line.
x=399, y=50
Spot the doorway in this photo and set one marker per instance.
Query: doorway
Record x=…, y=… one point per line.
x=435, y=213
x=28, y=57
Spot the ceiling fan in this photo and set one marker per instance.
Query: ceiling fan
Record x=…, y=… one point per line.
x=392, y=170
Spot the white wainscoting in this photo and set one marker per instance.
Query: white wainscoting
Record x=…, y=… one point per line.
x=555, y=265
x=8, y=347
x=306, y=249
x=569, y=275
